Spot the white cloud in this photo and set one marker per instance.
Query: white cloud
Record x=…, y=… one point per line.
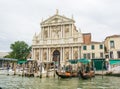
x=20, y=19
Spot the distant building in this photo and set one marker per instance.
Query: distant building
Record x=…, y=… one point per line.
x=93, y=50
x=2, y=54
x=112, y=46
x=59, y=41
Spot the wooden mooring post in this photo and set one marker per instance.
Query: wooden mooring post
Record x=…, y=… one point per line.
x=54, y=70
x=47, y=71
x=23, y=73
x=14, y=68
x=102, y=69
x=8, y=68
x=40, y=70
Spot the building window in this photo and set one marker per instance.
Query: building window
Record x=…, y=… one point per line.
x=118, y=53
x=101, y=46
x=92, y=47
x=101, y=55
x=88, y=55
x=84, y=55
x=112, y=44
x=84, y=47
x=93, y=55
x=111, y=54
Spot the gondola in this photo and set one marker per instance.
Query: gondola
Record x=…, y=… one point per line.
x=64, y=75
x=84, y=75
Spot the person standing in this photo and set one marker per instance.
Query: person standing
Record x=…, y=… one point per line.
x=8, y=68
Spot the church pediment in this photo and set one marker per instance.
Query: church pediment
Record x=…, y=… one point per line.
x=57, y=19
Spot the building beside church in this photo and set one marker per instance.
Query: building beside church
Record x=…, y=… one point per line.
x=59, y=41
x=112, y=47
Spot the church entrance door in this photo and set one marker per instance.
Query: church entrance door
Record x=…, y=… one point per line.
x=56, y=57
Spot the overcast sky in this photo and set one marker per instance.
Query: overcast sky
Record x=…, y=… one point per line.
x=20, y=19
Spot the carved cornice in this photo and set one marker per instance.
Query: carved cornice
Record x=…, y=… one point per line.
x=54, y=24
x=56, y=46
x=59, y=17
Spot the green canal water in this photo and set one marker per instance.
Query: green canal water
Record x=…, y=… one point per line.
x=18, y=82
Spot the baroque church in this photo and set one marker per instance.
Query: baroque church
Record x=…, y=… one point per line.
x=59, y=40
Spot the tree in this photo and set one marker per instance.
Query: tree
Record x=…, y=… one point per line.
x=20, y=50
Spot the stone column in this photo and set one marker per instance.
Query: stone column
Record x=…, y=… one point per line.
x=69, y=53
x=47, y=55
x=32, y=53
x=69, y=30
x=51, y=55
x=48, y=31
x=72, y=29
x=61, y=30
x=63, y=59
x=78, y=52
x=47, y=63
x=39, y=54
x=42, y=32
x=61, y=54
x=72, y=53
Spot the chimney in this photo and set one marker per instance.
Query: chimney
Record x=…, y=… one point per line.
x=87, y=38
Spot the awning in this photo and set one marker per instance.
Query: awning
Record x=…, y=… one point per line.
x=114, y=61
x=73, y=61
x=84, y=60
x=8, y=59
x=22, y=61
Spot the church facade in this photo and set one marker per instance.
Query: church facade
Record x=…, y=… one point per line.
x=59, y=40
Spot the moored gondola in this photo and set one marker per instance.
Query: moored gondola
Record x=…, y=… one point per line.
x=84, y=75
x=64, y=75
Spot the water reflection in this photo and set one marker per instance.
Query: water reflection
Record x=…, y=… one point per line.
x=18, y=82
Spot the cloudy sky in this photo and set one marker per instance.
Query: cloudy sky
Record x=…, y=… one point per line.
x=20, y=19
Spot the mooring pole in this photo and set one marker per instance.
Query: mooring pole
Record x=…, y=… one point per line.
x=14, y=68
x=23, y=69
x=47, y=70
x=102, y=70
x=40, y=70
x=54, y=69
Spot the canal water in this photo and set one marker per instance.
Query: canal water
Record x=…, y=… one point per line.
x=18, y=82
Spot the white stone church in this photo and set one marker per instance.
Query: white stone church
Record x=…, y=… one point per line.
x=59, y=41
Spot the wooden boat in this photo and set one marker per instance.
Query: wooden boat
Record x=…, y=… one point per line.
x=66, y=74
x=84, y=75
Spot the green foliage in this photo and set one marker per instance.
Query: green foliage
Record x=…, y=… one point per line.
x=20, y=50
x=7, y=56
